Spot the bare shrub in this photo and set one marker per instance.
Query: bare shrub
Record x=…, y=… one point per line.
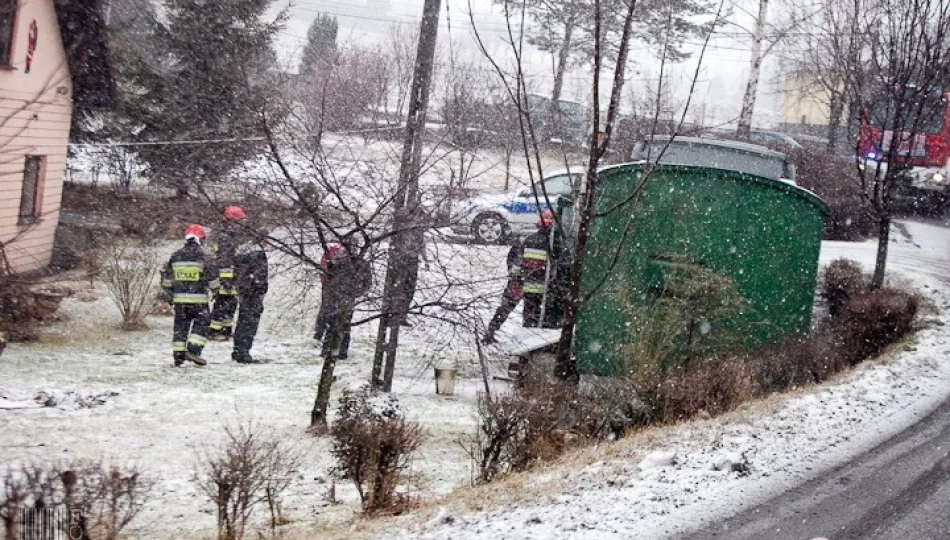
x=252, y=467
x=710, y=386
x=107, y=497
x=835, y=180
x=864, y=323
x=373, y=445
x=130, y=272
x=538, y=423
x=841, y=280
x=875, y=319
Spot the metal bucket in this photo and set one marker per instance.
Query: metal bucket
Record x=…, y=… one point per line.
x=445, y=381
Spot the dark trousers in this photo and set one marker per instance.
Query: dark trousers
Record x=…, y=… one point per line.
x=508, y=304
x=320, y=331
x=409, y=287
x=249, y=319
x=190, y=330
x=222, y=318
x=532, y=310
x=332, y=321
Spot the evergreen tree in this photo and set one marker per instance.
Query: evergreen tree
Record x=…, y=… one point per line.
x=210, y=81
x=321, y=43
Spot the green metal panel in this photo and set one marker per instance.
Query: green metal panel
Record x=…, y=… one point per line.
x=763, y=234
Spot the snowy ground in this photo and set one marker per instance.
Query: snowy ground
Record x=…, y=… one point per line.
x=165, y=419
x=671, y=480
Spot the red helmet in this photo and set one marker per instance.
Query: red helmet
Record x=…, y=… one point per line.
x=234, y=213
x=546, y=219
x=195, y=231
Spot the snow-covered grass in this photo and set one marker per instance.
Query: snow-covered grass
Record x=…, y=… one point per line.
x=658, y=482
x=164, y=418
x=666, y=481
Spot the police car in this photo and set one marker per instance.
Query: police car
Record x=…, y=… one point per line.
x=495, y=217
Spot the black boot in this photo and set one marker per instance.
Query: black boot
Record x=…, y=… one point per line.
x=179, y=359
x=243, y=358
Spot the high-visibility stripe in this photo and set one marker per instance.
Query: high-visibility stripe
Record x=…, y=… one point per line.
x=179, y=346
x=167, y=284
x=533, y=289
x=197, y=340
x=227, y=292
x=226, y=273
x=228, y=324
x=214, y=284
x=188, y=264
x=515, y=271
x=535, y=254
x=216, y=326
x=186, y=298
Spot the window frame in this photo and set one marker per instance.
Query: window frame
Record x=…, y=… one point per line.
x=7, y=63
x=35, y=212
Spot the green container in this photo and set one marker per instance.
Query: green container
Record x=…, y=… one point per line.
x=760, y=236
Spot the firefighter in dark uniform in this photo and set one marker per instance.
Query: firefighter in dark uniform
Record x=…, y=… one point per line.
x=189, y=276
x=535, y=255
x=250, y=270
x=509, y=298
x=226, y=301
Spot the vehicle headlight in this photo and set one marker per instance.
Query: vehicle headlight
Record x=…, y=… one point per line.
x=937, y=178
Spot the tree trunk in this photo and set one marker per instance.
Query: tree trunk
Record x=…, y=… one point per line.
x=563, y=57
x=565, y=362
x=883, y=241
x=834, y=122
x=318, y=416
x=406, y=204
x=755, y=64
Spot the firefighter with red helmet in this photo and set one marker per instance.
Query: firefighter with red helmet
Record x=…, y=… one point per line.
x=527, y=278
x=189, y=276
x=510, y=298
x=535, y=254
x=226, y=301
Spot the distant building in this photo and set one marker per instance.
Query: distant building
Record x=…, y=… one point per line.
x=806, y=107
x=54, y=60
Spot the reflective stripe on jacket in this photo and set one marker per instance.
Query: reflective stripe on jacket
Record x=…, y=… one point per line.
x=190, y=275
x=534, y=261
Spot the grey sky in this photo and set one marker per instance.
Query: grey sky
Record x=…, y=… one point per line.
x=368, y=22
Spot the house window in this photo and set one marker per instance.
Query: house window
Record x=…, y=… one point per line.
x=31, y=197
x=7, y=23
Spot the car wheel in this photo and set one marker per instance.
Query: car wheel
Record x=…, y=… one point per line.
x=490, y=229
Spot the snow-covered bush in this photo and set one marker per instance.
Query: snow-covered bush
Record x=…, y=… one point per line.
x=252, y=467
x=107, y=498
x=373, y=444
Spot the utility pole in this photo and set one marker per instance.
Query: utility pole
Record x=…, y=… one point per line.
x=403, y=255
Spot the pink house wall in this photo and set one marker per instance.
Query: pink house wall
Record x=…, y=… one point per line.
x=35, y=113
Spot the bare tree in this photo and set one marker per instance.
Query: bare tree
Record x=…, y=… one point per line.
x=827, y=61
x=401, y=42
x=764, y=37
x=584, y=202
x=901, y=79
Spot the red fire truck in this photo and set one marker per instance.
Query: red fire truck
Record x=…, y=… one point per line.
x=925, y=150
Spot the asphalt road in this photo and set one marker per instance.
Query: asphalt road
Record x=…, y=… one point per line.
x=900, y=490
